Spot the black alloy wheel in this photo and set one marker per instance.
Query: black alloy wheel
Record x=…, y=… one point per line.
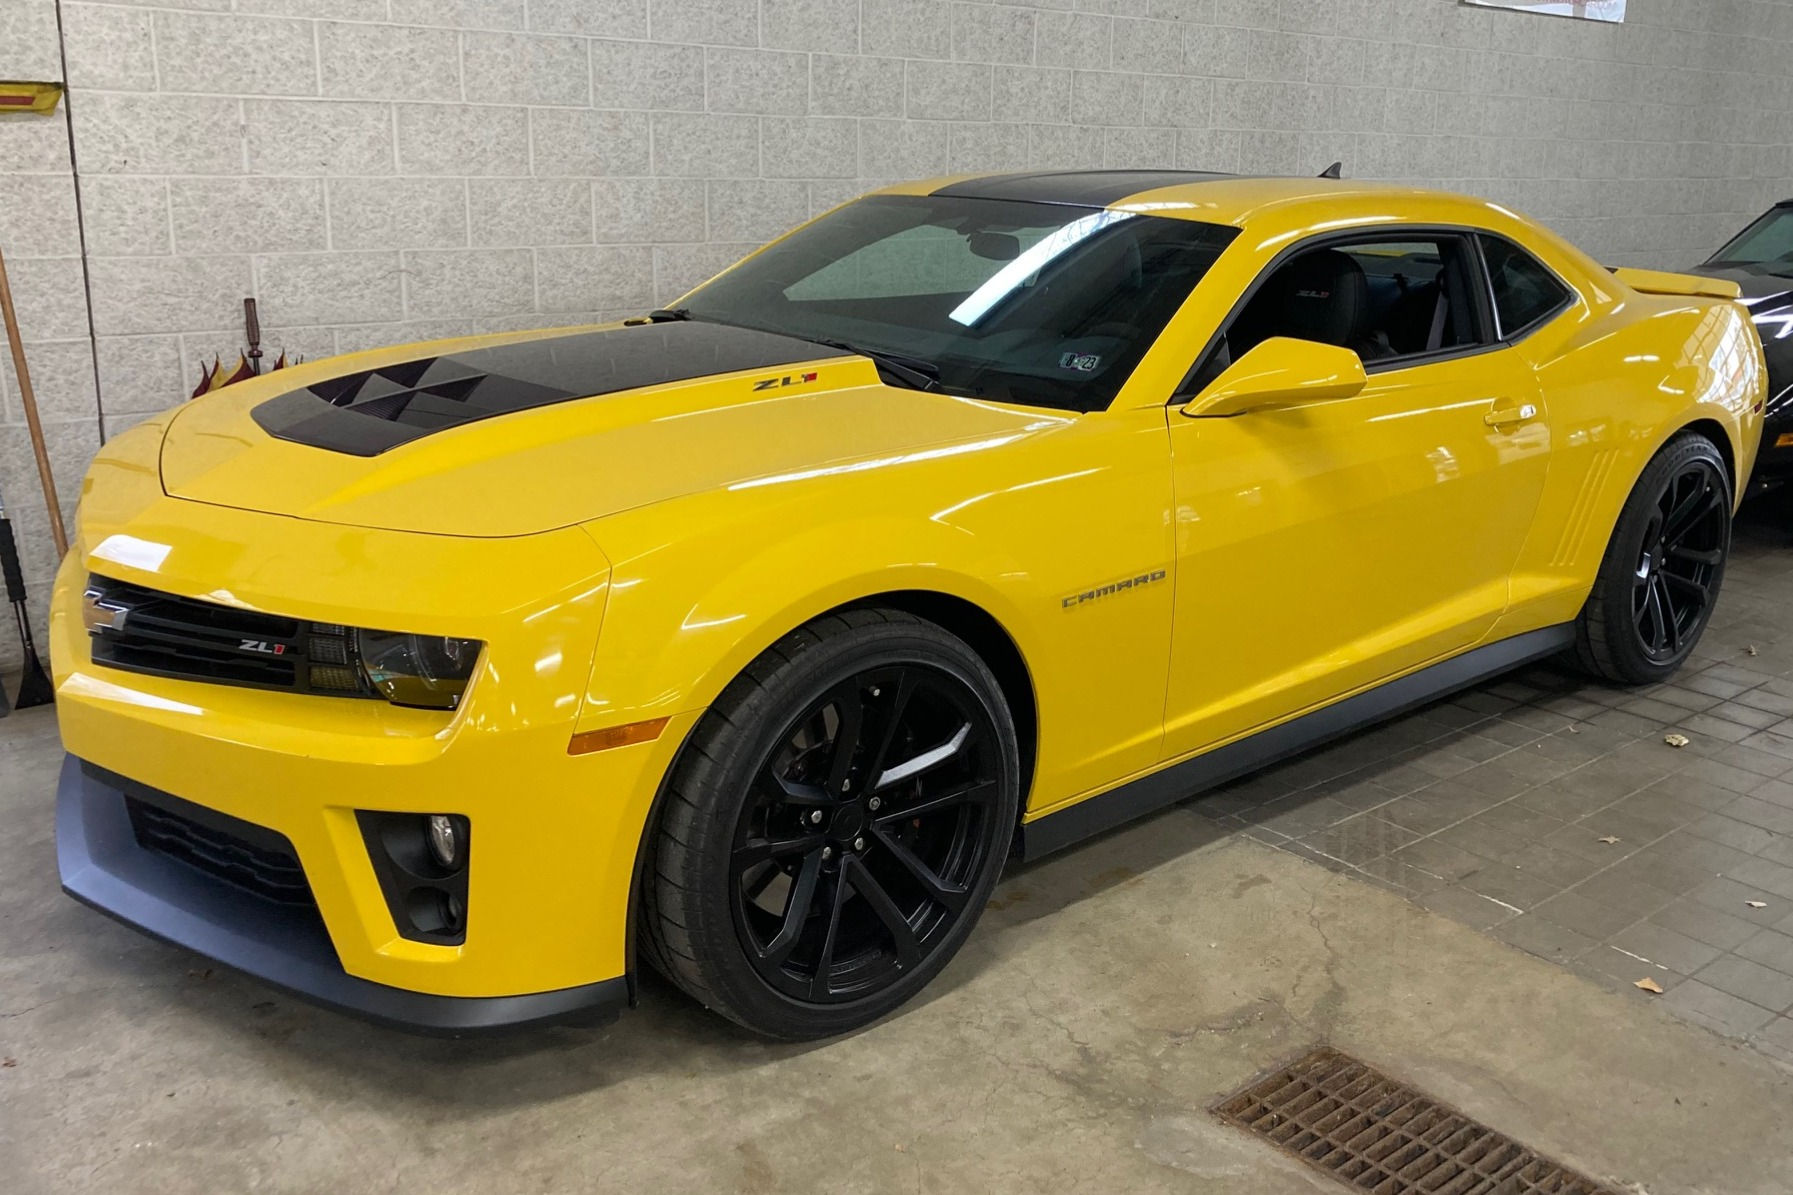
x=1663, y=567
x=1682, y=552
x=868, y=825
x=834, y=826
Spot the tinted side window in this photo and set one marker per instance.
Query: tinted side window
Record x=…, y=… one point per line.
x=1385, y=299
x=1525, y=291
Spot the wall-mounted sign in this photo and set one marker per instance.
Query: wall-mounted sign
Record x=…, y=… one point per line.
x=1590, y=10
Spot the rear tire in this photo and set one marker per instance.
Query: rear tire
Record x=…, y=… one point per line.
x=834, y=826
x=1662, y=570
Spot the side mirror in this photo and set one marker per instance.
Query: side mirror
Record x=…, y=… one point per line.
x=1281, y=372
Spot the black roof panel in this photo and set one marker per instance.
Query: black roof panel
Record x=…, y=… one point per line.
x=1076, y=188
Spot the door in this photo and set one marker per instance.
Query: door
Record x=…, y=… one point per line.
x=1324, y=547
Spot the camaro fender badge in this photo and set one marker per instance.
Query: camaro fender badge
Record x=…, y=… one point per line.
x=262, y=646
x=1101, y=591
x=790, y=379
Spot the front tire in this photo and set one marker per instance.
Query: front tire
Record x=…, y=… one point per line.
x=1663, y=567
x=834, y=827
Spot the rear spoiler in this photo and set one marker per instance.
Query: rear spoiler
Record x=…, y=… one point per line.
x=1657, y=282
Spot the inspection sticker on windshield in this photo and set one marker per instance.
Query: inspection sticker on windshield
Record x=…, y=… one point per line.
x=1081, y=362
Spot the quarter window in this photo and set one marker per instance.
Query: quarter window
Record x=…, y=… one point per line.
x=1526, y=293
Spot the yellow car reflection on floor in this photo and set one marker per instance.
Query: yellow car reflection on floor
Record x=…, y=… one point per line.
x=751, y=636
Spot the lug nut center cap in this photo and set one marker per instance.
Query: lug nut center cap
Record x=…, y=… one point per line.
x=849, y=820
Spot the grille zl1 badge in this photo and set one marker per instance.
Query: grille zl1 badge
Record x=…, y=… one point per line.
x=262, y=646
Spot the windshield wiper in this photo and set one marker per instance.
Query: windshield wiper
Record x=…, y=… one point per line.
x=911, y=371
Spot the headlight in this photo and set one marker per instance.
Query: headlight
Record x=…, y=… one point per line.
x=428, y=671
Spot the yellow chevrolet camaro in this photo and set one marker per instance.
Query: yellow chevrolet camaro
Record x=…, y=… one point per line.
x=750, y=637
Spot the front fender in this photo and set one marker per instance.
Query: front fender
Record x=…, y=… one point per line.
x=703, y=584
x=702, y=613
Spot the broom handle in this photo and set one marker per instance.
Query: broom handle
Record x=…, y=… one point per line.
x=29, y=400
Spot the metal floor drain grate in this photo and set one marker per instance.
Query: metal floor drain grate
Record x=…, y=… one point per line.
x=1381, y=1135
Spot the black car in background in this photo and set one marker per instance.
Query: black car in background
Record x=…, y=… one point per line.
x=1760, y=259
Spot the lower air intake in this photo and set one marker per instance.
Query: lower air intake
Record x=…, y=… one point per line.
x=251, y=858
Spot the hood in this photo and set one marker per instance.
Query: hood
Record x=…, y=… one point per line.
x=505, y=436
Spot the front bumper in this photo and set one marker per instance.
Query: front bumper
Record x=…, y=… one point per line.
x=288, y=946
x=555, y=836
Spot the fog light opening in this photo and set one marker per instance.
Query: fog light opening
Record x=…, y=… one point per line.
x=422, y=863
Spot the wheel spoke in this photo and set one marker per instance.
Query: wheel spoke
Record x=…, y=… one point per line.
x=819, y=988
x=1670, y=623
x=1699, y=591
x=1710, y=557
x=851, y=712
x=759, y=850
x=796, y=911
x=901, y=932
x=938, y=890
x=979, y=793
x=1683, y=516
x=891, y=718
x=1652, y=609
x=928, y=760
x=796, y=792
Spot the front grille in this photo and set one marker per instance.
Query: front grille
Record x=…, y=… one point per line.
x=144, y=630
x=246, y=856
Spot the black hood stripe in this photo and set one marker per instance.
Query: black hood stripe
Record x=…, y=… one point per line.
x=367, y=413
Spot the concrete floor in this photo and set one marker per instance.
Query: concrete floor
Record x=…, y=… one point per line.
x=1109, y=996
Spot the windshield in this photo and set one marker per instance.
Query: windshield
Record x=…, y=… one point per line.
x=1032, y=303
x=1768, y=242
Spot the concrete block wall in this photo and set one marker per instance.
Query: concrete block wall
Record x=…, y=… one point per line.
x=384, y=170
x=40, y=235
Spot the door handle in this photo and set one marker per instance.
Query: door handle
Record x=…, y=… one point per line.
x=1506, y=415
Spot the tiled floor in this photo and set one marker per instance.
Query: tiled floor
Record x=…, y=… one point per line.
x=1551, y=813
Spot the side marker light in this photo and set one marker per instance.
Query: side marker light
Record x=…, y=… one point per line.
x=588, y=741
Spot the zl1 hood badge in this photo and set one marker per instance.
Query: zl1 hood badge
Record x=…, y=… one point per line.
x=790, y=379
